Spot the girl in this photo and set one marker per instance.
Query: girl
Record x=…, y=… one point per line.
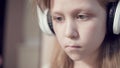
x=85, y=39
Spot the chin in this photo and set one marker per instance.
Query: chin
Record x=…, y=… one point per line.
x=75, y=57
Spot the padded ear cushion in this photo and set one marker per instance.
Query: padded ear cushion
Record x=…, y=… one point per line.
x=43, y=21
x=49, y=19
x=113, y=16
x=116, y=23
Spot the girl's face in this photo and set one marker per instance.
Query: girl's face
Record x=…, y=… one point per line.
x=79, y=25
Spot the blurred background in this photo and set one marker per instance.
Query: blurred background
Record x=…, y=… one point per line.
x=22, y=44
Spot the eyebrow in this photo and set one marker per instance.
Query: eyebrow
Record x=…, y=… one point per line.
x=81, y=10
x=57, y=13
x=73, y=11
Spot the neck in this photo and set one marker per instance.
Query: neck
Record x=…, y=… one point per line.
x=88, y=62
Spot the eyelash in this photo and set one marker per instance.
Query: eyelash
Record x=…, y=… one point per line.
x=82, y=17
x=58, y=19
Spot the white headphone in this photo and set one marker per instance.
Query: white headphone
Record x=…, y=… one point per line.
x=44, y=21
x=116, y=23
x=113, y=19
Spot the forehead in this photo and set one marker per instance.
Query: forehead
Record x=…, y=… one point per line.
x=67, y=5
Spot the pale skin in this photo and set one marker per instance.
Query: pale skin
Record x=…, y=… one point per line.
x=80, y=27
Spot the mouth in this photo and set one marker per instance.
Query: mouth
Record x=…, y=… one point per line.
x=73, y=47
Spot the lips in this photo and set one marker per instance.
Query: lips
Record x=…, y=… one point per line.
x=73, y=47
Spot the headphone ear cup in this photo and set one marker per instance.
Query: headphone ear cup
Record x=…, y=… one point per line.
x=110, y=17
x=116, y=23
x=49, y=19
x=113, y=16
x=43, y=21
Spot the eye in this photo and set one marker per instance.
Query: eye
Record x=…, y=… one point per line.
x=82, y=17
x=58, y=19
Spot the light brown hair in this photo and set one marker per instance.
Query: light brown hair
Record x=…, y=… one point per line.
x=109, y=52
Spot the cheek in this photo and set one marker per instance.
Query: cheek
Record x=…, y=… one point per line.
x=59, y=31
x=92, y=33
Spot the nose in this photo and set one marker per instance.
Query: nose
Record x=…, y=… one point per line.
x=71, y=30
